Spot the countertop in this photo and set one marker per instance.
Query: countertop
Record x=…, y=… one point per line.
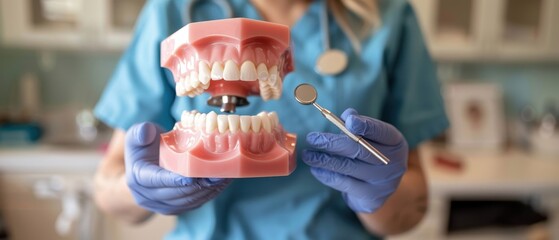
x=505, y=173
x=510, y=172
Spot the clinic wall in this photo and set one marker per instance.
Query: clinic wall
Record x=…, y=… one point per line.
x=64, y=77
x=533, y=84
x=78, y=78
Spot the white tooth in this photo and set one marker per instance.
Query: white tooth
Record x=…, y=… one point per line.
x=217, y=71
x=211, y=122
x=273, y=71
x=277, y=88
x=190, y=119
x=248, y=71
x=184, y=117
x=222, y=123
x=262, y=72
x=206, y=86
x=230, y=71
x=256, y=122
x=200, y=121
x=203, y=72
x=233, y=123
x=186, y=83
x=194, y=80
x=181, y=67
x=273, y=119
x=265, y=91
x=245, y=123
x=265, y=121
x=180, y=89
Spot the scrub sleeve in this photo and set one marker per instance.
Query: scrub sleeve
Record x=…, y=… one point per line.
x=414, y=103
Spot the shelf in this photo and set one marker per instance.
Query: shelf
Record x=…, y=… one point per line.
x=49, y=159
x=69, y=24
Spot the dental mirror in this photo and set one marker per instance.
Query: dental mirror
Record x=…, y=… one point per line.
x=306, y=94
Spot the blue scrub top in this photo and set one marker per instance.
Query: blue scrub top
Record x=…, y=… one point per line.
x=392, y=79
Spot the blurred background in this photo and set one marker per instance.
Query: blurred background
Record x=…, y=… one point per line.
x=493, y=175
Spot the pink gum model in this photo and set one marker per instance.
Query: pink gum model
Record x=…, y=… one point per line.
x=222, y=50
x=231, y=57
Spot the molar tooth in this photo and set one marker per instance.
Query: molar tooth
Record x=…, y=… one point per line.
x=194, y=80
x=222, y=123
x=203, y=72
x=256, y=122
x=273, y=119
x=217, y=71
x=262, y=72
x=265, y=121
x=265, y=91
x=211, y=122
x=248, y=71
x=200, y=121
x=233, y=123
x=230, y=71
x=273, y=73
x=245, y=123
x=277, y=89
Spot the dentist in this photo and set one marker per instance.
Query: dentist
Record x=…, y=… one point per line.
x=339, y=190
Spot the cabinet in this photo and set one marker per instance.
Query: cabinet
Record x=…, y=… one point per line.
x=68, y=24
x=504, y=30
x=22, y=208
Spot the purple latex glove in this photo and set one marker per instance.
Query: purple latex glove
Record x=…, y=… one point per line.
x=342, y=164
x=155, y=188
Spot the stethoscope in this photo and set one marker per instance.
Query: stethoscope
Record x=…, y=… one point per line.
x=330, y=62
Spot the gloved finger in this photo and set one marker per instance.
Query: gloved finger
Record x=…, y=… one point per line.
x=343, y=165
x=342, y=183
x=196, y=185
x=142, y=143
x=340, y=145
x=354, y=168
x=210, y=182
x=371, y=129
x=160, y=207
x=153, y=176
x=198, y=197
x=347, y=112
x=367, y=205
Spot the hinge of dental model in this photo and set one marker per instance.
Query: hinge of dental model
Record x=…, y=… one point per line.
x=227, y=103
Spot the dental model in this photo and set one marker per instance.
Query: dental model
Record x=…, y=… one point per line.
x=230, y=59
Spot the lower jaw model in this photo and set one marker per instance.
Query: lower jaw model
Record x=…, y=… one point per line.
x=205, y=57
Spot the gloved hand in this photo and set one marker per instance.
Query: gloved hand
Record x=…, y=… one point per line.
x=155, y=188
x=342, y=164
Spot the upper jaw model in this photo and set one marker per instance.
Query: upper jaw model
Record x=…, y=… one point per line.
x=230, y=59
